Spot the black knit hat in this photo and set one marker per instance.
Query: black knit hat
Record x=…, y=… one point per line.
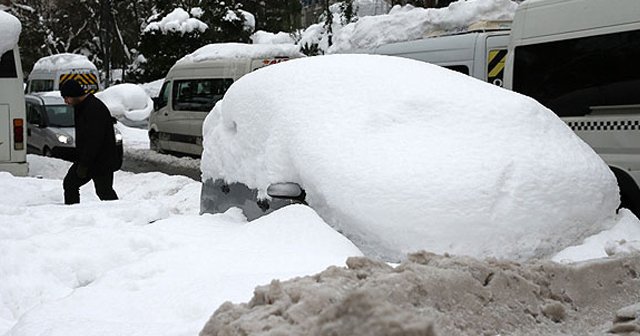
x=71, y=88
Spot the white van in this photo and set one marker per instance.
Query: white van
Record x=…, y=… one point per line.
x=50, y=71
x=580, y=59
x=480, y=51
x=194, y=85
x=13, y=147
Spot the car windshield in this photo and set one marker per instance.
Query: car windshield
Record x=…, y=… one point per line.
x=60, y=115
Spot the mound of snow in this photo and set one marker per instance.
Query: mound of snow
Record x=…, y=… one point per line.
x=63, y=61
x=127, y=100
x=401, y=155
x=10, y=29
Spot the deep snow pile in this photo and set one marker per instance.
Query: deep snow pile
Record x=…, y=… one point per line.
x=127, y=100
x=146, y=264
x=409, y=23
x=433, y=295
x=401, y=155
x=10, y=28
x=64, y=61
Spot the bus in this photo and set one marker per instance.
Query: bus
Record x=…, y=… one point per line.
x=13, y=147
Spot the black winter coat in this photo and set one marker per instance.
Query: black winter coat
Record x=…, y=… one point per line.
x=95, y=137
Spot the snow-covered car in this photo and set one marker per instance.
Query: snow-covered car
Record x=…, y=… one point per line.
x=401, y=155
x=50, y=127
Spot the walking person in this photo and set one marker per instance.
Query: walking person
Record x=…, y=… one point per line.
x=97, y=155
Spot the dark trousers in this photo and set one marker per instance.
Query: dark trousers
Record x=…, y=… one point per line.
x=72, y=183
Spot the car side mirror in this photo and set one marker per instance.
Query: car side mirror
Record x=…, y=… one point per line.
x=286, y=190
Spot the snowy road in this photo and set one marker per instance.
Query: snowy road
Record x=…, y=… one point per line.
x=138, y=158
x=145, y=161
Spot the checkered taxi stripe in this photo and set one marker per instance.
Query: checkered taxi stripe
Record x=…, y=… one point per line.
x=610, y=125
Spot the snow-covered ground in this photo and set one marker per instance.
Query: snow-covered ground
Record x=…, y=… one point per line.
x=146, y=264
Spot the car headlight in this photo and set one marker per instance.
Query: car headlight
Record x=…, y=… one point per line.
x=65, y=139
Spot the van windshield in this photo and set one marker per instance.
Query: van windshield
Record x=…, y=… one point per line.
x=60, y=115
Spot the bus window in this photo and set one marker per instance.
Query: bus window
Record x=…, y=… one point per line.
x=8, y=65
x=571, y=76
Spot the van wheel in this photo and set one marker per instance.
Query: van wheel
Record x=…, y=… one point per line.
x=629, y=191
x=154, y=143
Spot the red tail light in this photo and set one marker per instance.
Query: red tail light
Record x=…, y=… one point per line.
x=18, y=134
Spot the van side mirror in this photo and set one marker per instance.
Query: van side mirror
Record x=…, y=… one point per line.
x=156, y=103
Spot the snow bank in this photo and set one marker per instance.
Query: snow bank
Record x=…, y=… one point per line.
x=177, y=21
x=63, y=61
x=146, y=264
x=409, y=23
x=624, y=237
x=241, y=50
x=431, y=295
x=10, y=29
x=127, y=100
x=402, y=155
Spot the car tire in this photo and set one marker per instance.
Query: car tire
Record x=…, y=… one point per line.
x=154, y=143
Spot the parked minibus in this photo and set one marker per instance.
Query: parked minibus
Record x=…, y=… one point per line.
x=194, y=85
x=51, y=71
x=480, y=51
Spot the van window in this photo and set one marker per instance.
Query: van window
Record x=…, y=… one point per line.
x=8, y=65
x=571, y=76
x=164, y=95
x=41, y=85
x=33, y=115
x=199, y=94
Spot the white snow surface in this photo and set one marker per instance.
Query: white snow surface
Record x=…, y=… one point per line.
x=178, y=21
x=263, y=37
x=402, y=155
x=148, y=264
x=10, y=28
x=410, y=23
x=64, y=61
x=127, y=100
x=241, y=50
x=152, y=88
